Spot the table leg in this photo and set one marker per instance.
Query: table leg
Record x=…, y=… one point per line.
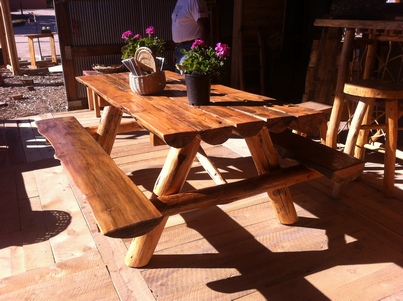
x=108, y=128
x=90, y=98
x=171, y=179
x=265, y=158
x=392, y=116
x=338, y=103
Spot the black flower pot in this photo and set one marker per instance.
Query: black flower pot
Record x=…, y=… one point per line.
x=198, y=89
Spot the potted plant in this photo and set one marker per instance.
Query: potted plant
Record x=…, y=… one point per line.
x=135, y=41
x=201, y=63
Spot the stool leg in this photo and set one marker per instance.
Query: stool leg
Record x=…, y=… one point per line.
x=353, y=132
x=362, y=139
x=392, y=116
x=351, y=141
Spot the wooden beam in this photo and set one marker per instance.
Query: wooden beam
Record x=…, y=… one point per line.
x=223, y=194
x=9, y=36
x=236, y=43
x=3, y=43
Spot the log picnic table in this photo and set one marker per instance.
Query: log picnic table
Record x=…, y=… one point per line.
x=171, y=120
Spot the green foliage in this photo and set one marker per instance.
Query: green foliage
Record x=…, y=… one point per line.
x=204, y=60
x=136, y=41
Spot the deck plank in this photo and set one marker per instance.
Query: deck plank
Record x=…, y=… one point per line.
x=346, y=249
x=71, y=236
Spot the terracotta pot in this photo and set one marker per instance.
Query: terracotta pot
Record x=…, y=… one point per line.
x=198, y=89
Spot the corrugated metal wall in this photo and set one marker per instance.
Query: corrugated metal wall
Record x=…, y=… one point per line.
x=102, y=22
x=90, y=32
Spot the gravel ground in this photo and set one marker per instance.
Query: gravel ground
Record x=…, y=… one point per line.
x=19, y=98
x=46, y=93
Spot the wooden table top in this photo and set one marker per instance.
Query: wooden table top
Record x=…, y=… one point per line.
x=169, y=116
x=368, y=24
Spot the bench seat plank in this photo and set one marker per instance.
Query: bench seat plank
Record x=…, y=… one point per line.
x=335, y=165
x=121, y=210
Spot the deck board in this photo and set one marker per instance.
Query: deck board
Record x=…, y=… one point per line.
x=347, y=249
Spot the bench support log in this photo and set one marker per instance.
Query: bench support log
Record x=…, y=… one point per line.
x=108, y=128
x=265, y=159
x=228, y=193
x=170, y=181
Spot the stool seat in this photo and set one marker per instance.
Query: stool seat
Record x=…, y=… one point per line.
x=374, y=89
x=390, y=94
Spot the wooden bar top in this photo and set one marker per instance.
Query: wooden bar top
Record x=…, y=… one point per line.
x=368, y=24
x=169, y=116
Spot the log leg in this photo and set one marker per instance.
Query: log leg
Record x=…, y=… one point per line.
x=265, y=158
x=171, y=179
x=90, y=97
x=338, y=103
x=362, y=138
x=392, y=116
x=354, y=130
x=108, y=128
x=209, y=167
x=351, y=141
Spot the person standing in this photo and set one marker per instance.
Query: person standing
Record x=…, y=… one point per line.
x=190, y=21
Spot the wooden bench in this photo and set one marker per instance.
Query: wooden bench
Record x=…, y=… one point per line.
x=339, y=167
x=120, y=209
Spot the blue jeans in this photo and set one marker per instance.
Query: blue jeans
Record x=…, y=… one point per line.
x=179, y=56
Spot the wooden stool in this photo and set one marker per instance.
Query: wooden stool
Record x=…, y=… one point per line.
x=31, y=37
x=388, y=94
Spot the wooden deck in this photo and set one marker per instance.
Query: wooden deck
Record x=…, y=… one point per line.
x=351, y=249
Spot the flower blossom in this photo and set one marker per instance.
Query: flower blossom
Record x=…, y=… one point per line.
x=150, y=30
x=127, y=34
x=222, y=50
x=137, y=36
x=199, y=43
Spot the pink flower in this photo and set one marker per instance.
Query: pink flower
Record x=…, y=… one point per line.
x=222, y=50
x=137, y=36
x=199, y=43
x=127, y=34
x=150, y=30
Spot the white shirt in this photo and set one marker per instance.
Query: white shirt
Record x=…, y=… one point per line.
x=184, y=19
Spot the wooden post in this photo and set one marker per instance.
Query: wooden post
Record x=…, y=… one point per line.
x=338, y=104
x=108, y=128
x=172, y=177
x=392, y=116
x=9, y=36
x=236, y=44
x=3, y=43
x=265, y=158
